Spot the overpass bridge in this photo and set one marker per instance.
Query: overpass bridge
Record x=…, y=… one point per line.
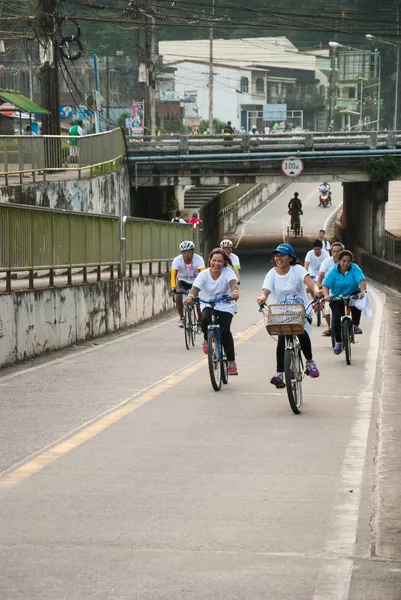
x=213, y=160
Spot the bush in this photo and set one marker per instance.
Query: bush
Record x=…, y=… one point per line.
x=384, y=169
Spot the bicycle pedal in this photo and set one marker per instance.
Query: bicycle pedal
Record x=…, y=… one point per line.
x=307, y=371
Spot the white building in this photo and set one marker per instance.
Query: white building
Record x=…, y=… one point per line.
x=246, y=75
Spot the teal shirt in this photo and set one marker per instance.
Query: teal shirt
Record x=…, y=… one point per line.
x=344, y=285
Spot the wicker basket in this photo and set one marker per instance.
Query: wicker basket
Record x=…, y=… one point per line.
x=285, y=319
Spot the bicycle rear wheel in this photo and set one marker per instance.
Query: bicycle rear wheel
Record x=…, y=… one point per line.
x=293, y=378
x=187, y=326
x=213, y=360
x=346, y=335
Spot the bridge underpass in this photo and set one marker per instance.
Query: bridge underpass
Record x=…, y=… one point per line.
x=126, y=476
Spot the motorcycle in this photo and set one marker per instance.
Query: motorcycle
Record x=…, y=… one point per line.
x=324, y=199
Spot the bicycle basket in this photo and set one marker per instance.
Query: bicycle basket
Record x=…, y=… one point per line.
x=285, y=319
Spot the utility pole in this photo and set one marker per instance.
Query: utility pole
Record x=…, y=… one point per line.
x=397, y=74
x=50, y=93
x=152, y=74
x=108, y=92
x=147, y=61
x=332, y=84
x=210, y=84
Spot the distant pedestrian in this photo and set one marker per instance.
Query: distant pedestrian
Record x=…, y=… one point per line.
x=75, y=131
x=194, y=220
x=276, y=126
x=228, y=129
x=178, y=218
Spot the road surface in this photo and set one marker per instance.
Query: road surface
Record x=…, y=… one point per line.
x=125, y=476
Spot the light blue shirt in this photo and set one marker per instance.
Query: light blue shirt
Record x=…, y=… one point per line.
x=344, y=285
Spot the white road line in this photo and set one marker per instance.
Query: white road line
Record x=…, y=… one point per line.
x=336, y=571
x=327, y=221
x=73, y=355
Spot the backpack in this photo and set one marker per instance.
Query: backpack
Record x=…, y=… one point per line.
x=176, y=220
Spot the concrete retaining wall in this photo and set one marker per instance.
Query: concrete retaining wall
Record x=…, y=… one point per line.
x=228, y=221
x=377, y=268
x=218, y=220
x=39, y=321
x=101, y=195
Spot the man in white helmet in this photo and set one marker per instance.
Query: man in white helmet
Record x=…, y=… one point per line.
x=227, y=246
x=186, y=266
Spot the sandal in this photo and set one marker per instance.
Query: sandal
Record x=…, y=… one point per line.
x=327, y=333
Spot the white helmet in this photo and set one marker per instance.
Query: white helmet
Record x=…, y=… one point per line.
x=187, y=245
x=226, y=244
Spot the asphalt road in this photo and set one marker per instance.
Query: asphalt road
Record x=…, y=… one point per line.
x=126, y=476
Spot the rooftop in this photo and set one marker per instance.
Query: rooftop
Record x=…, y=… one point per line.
x=266, y=51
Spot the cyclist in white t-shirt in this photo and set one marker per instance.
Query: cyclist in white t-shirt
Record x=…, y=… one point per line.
x=325, y=267
x=285, y=284
x=218, y=280
x=325, y=241
x=227, y=246
x=314, y=259
x=184, y=270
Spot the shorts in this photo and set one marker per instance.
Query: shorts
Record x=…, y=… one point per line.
x=184, y=285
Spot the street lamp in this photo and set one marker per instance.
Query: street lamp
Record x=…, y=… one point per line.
x=336, y=45
x=372, y=38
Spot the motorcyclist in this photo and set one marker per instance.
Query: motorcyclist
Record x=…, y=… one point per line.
x=295, y=210
x=324, y=188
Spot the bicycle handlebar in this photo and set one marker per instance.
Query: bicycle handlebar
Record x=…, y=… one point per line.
x=215, y=301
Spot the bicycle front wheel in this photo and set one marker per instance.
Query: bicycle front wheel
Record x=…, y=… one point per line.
x=194, y=326
x=293, y=378
x=346, y=335
x=187, y=327
x=213, y=360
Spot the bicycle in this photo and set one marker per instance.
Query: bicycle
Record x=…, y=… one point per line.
x=347, y=328
x=190, y=322
x=217, y=362
x=289, y=320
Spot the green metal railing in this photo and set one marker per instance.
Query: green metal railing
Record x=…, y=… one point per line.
x=37, y=240
x=36, y=155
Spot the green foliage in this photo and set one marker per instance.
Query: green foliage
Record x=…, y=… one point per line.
x=121, y=119
x=217, y=125
x=384, y=169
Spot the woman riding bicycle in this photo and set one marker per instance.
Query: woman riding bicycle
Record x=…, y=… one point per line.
x=218, y=280
x=344, y=279
x=285, y=284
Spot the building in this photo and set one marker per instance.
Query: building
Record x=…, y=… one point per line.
x=248, y=74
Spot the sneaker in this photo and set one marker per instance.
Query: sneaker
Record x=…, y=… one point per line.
x=204, y=347
x=232, y=367
x=327, y=333
x=338, y=348
x=181, y=323
x=312, y=369
x=357, y=329
x=278, y=381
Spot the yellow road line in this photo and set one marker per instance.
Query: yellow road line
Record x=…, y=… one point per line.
x=67, y=445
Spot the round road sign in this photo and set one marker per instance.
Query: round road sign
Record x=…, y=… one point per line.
x=292, y=166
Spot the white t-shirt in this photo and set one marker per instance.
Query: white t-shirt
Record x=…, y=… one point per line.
x=315, y=262
x=288, y=289
x=235, y=261
x=179, y=220
x=188, y=272
x=211, y=289
x=326, y=245
x=327, y=264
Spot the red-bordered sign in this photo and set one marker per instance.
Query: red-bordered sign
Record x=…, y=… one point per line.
x=292, y=166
